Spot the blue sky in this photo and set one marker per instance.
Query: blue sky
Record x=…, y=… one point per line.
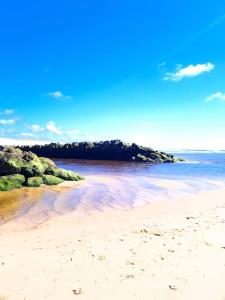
x=150, y=72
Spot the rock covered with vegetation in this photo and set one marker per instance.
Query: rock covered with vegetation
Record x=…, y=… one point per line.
x=11, y=182
x=22, y=168
x=107, y=150
x=34, y=181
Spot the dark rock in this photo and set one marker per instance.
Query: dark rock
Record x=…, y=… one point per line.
x=105, y=150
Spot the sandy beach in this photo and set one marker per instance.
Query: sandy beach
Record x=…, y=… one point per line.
x=112, y=150
x=171, y=249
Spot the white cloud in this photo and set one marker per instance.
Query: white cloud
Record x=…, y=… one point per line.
x=36, y=128
x=7, y=122
x=36, y=132
x=16, y=142
x=216, y=96
x=72, y=131
x=72, y=134
x=58, y=95
x=189, y=71
x=7, y=112
x=26, y=134
x=51, y=127
x=162, y=64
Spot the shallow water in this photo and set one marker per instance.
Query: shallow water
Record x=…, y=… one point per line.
x=114, y=184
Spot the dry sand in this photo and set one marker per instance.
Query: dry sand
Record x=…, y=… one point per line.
x=171, y=249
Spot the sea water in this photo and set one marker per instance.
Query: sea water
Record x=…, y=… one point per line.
x=113, y=184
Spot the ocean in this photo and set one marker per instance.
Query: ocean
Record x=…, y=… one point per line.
x=113, y=185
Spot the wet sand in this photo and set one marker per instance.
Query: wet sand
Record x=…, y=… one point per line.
x=173, y=249
x=33, y=206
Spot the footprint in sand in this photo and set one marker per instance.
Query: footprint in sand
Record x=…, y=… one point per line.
x=130, y=263
x=173, y=287
x=78, y=291
x=101, y=257
x=129, y=276
x=132, y=251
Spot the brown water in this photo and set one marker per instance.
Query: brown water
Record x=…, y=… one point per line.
x=107, y=185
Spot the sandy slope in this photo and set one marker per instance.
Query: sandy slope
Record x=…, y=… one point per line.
x=166, y=250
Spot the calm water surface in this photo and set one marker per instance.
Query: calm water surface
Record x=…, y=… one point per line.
x=115, y=184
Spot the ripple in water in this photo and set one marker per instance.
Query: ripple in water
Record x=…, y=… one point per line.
x=114, y=185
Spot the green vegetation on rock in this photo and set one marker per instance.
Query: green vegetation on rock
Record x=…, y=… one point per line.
x=48, y=163
x=143, y=158
x=34, y=181
x=10, y=182
x=20, y=168
x=10, y=161
x=64, y=174
x=51, y=180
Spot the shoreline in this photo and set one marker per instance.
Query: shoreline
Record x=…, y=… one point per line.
x=96, y=193
x=163, y=250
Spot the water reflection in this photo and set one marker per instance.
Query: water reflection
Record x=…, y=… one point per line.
x=36, y=204
x=108, y=184
x=14, y=203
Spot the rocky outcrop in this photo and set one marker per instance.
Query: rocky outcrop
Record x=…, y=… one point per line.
x=51, y=180
x=107, y=150
x=34, y=181
x=11, y=182
x=64, y=174
x=23, y=168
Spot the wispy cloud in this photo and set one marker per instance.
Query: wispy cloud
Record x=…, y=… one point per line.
x=189, y=71
x=162, y=64
x=216, y=96
x=16, y=142
x=7, y=112
x=72, y=132
x=36, y=128
x=37, y=132
x=7, y=122
x=27, y=134
x=197, y=35
x=59, y=95
x=51, y=127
